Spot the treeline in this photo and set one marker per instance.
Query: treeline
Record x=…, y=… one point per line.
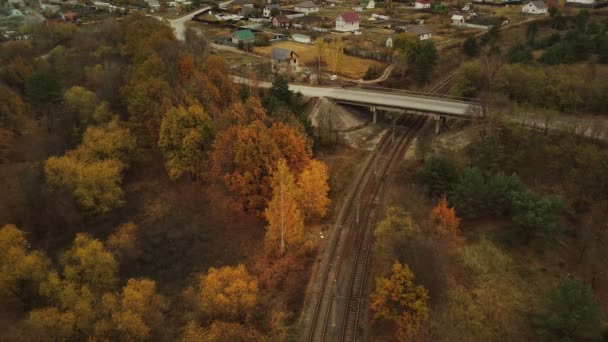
x=545, y=82
x=112, y=100
x=545, y=87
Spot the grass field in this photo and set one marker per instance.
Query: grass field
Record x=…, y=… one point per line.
x=352, y=67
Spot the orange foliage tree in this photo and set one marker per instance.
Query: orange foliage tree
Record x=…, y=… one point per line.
x=244, y=157
x=445, y=218
x=400, y=300
x=313, y=190
x=285, y=222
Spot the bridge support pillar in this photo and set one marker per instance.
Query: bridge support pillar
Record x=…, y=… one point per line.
x=439, y=122
x=373, y=110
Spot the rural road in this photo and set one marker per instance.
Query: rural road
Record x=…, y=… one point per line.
x=179, y=24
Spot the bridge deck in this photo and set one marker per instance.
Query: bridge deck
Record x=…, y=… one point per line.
x=380, y=99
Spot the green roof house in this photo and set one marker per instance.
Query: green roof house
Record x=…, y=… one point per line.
x=243, y=37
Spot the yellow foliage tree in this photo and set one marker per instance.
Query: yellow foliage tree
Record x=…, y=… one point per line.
x=94, y=186
x=139, y=310
x=184, y=136
x=109, y=141
x=228, y=293
x=285, y=222
x=220, y=331
x=400, y=300
x=21, y=270
x=313, y=190
x=89, y=263
x=51, y=324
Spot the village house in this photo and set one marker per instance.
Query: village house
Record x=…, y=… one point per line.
x=267, y=12
x=347, y=22
x=369, y=4
x=280, y=21
x=306, y=7
x=422, y=32
x=535, y=7
x=284, y=61
x=243, y=37
x=420, y=4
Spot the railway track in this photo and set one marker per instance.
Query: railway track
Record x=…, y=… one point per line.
x=356, y=230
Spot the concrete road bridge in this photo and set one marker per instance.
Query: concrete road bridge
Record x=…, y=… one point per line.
x=377, y=99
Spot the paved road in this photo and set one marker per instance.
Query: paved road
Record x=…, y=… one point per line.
x=385, y=99
x=179, y=24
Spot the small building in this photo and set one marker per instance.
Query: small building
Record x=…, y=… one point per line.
x=369, y=4
x=281, y=21
x=457, y=20
x=420, y=4
x=535, y=7
x=347, y=22
x=422, y=32
x=243, y=37
x=358, y=8
x=301, y=38
x=283, y=60
x=267, y=11
x=306, y=7
x=154, y=5
x=389, y=42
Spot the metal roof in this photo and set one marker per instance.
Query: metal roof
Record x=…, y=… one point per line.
x=350, y=17
x=280, y=54
x=418, y=30
x=244, y=35
x=306, y=4
x=539, y=4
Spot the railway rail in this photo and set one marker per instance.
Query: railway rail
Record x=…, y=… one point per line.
x=356, y=230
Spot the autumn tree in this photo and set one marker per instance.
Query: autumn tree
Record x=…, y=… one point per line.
x=243, y=113
x=228, y=293
x=79, y=106
x=244, y=158
x=285, y=221
x=569, y=313
x=89, y=263
x=147, y=96
x=12, y=109
x=215, y=88
x=400, y=300
x=111, y=141
x=185, y=134
x=92, y=173
x=124, y=243
x=445, y=219
x=21, y=270
x=313, y=190
x=136, y=314
x=220, y=331
x=94, y=186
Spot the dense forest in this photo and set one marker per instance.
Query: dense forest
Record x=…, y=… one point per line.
x=147, y=196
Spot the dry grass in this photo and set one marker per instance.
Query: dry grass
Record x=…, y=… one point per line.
x=352, y=67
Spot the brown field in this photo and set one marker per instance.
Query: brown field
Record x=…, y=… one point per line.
x=352, y=67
